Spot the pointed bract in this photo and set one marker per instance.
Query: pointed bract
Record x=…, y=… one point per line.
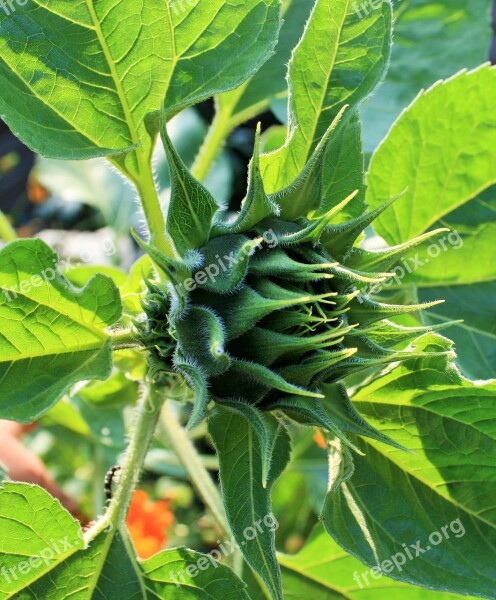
x=191, y=207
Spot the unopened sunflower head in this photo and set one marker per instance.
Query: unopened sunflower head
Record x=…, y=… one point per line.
x=267, y=310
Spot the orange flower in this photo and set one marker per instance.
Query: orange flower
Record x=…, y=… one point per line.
x=318, y=438
x=148, y=523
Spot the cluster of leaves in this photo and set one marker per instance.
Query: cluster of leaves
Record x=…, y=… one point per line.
x=290, y=317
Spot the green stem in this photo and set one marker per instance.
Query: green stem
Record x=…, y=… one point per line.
x=152, y=208
x=141, y=175
x=225, y=121
x=183, y=447
x=123, y=339
x=217, y=135
x=147, y=415
x=7, y=232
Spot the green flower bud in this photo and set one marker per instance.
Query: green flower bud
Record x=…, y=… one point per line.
x=269, y=308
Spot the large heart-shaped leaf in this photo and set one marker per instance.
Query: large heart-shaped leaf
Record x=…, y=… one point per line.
x=453, y=128
x=93, y=72
x=433, y=39
x=448, y=160
x=428, y=509
x=57, y=561
x=323, y=571
x=52, y=335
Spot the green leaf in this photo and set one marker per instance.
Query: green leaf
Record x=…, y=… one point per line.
x=273, y=138
x=57, y=563
x=53, y=335
x=186, y=575
x=118, y=390
x=304, y=193
x=49, y=535
x=267, y=428
x=90, y=573
x=80, y=274
x=447, y=269
x=339, y=61
x=475, y=337
x=119, y=61
x=440, y=161
x=256, y=206
x=433, y=39
x=253, y=371
x=396, y=499
x=56, y=105
x=342, y=412
x=323, y=571
x=66, y=415
x=334, y=413
x=247, y=501
x=134, y=288
x=187, y=132
x=217, y=46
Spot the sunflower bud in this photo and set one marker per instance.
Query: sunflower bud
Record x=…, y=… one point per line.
x=268, y=310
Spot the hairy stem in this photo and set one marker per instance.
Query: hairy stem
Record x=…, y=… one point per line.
x=141, y=175
x=192, y=463
x=7, y=232
x=147, y=415
x=152, y=208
